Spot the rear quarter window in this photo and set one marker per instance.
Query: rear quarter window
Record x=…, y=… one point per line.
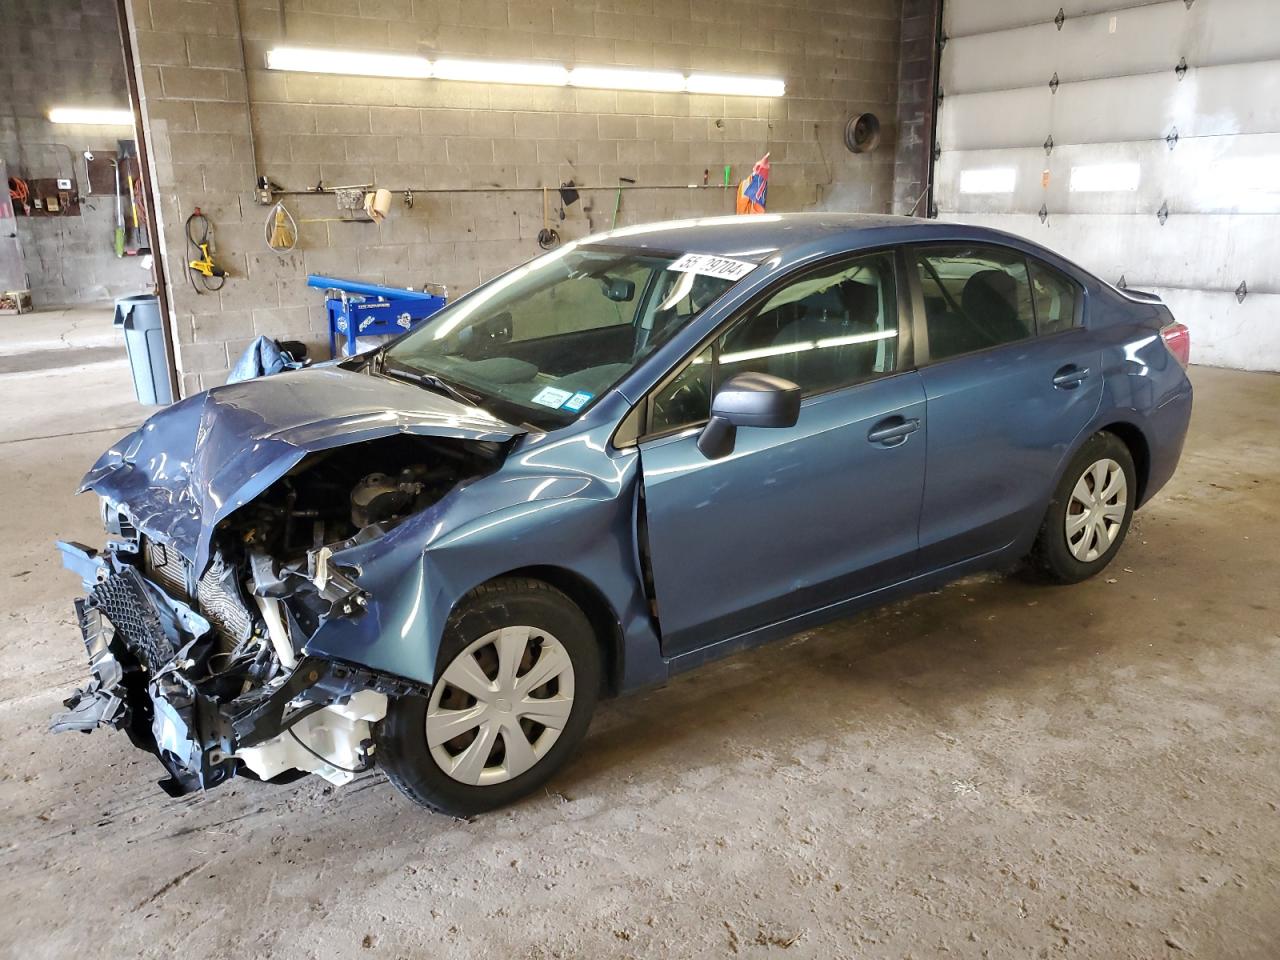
x=1056, y=297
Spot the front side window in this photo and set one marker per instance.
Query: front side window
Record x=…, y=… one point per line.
x=543, y=341
x=975, y=297
x=831, y=328
x=1056, y=298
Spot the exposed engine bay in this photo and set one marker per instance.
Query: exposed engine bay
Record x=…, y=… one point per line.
x=208, y=668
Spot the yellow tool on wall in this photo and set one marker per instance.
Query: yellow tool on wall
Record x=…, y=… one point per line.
x=212, y=276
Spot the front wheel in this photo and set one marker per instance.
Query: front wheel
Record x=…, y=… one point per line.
x=518, y=678
x=1089, y=514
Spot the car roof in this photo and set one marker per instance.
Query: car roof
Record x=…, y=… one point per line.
x=759, y=236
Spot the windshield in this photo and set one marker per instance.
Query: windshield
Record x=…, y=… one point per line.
x=552, y=336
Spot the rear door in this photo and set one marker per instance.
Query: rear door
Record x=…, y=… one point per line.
x=1011, y=376
x=801, y=517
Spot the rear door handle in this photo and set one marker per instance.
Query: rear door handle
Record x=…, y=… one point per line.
x=892, y=431
x=1070, y=377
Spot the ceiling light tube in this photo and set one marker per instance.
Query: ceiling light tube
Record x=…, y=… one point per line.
x=485, y=71
x=622, y=78
x=735, y=86
x=92, y=116
x=354, y=62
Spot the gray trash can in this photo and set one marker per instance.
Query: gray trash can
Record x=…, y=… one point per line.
x=144, y=339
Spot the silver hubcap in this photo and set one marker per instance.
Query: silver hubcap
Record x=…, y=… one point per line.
x=500, y=705
x=1096, y=510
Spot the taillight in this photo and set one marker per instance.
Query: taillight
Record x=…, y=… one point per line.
x=1177, y=338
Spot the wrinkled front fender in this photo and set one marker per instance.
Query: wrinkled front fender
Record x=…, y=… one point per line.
x=580, y=522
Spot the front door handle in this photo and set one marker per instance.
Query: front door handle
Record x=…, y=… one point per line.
x=892, y=431
x=1070, y=377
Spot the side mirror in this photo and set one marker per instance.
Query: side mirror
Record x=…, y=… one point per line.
x=748, y=400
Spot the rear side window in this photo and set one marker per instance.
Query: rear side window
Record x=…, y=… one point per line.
x=975, y=297
x=1057, y=299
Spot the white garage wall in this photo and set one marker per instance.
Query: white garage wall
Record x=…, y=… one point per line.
x=1113, y=166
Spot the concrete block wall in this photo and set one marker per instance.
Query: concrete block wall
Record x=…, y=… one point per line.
x=476, y=155
x=64, y=53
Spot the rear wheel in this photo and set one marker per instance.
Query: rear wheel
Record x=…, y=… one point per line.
x=1089, y=514
x=519, y=674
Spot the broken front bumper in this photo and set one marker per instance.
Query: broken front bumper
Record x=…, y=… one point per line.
x=137, y=637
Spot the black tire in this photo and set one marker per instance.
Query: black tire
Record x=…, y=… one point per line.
x=1051, y=558
x=401, y=739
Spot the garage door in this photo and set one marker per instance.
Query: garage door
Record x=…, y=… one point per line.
x=1141, y=140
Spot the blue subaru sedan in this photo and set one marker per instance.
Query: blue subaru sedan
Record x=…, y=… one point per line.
x=635, y=454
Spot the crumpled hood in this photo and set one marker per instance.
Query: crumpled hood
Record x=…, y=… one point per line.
x=194, y=463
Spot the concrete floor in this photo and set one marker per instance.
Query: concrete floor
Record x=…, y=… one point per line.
x=994, y=770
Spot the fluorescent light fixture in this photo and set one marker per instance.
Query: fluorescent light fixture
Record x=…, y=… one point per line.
x=988, y=180
x=484, y=71
x=735, y=86
x=372, y=64
x=622, y=78
x=95, y=117
x=1105, y=177
x=311, y=60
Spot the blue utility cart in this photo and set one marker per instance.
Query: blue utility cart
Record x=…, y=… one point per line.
x=369, y=310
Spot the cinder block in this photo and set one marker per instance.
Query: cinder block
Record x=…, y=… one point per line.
x=332, y=118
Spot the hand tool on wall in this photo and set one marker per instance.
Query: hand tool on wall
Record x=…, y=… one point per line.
x=119, y=237
x=282, y=229
x=132, y=242
x=198, y=228
x=617, y=204
x=547, y=237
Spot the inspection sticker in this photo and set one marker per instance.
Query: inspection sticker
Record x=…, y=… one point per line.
x=552, y=397
x=577, y=401
x=725, y=268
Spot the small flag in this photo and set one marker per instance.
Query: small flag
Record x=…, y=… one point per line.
x=753, y=190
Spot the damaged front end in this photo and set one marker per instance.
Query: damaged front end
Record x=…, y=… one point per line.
x=220, y=572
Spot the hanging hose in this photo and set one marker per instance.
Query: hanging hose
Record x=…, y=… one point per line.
x=281, y=230
x=212, y=277
x=20, y=193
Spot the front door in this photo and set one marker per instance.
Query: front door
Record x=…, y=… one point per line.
x=795, y=518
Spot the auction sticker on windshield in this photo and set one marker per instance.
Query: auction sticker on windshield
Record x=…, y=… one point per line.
x=552, y=396
x=725, y=268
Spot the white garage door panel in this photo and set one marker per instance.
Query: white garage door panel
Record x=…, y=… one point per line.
x=1146, y=39
x=1205, y=252
x=1225, y=333
x=1004, y=118
x=1208, y=102
x=965, y=17
x=1206, y=175
x=1118, y=99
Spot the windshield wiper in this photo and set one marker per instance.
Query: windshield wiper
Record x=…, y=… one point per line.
x=424, y=379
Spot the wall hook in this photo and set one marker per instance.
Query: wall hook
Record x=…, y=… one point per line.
x=408, y=199
x=1163, y=213
x=1242, y=291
